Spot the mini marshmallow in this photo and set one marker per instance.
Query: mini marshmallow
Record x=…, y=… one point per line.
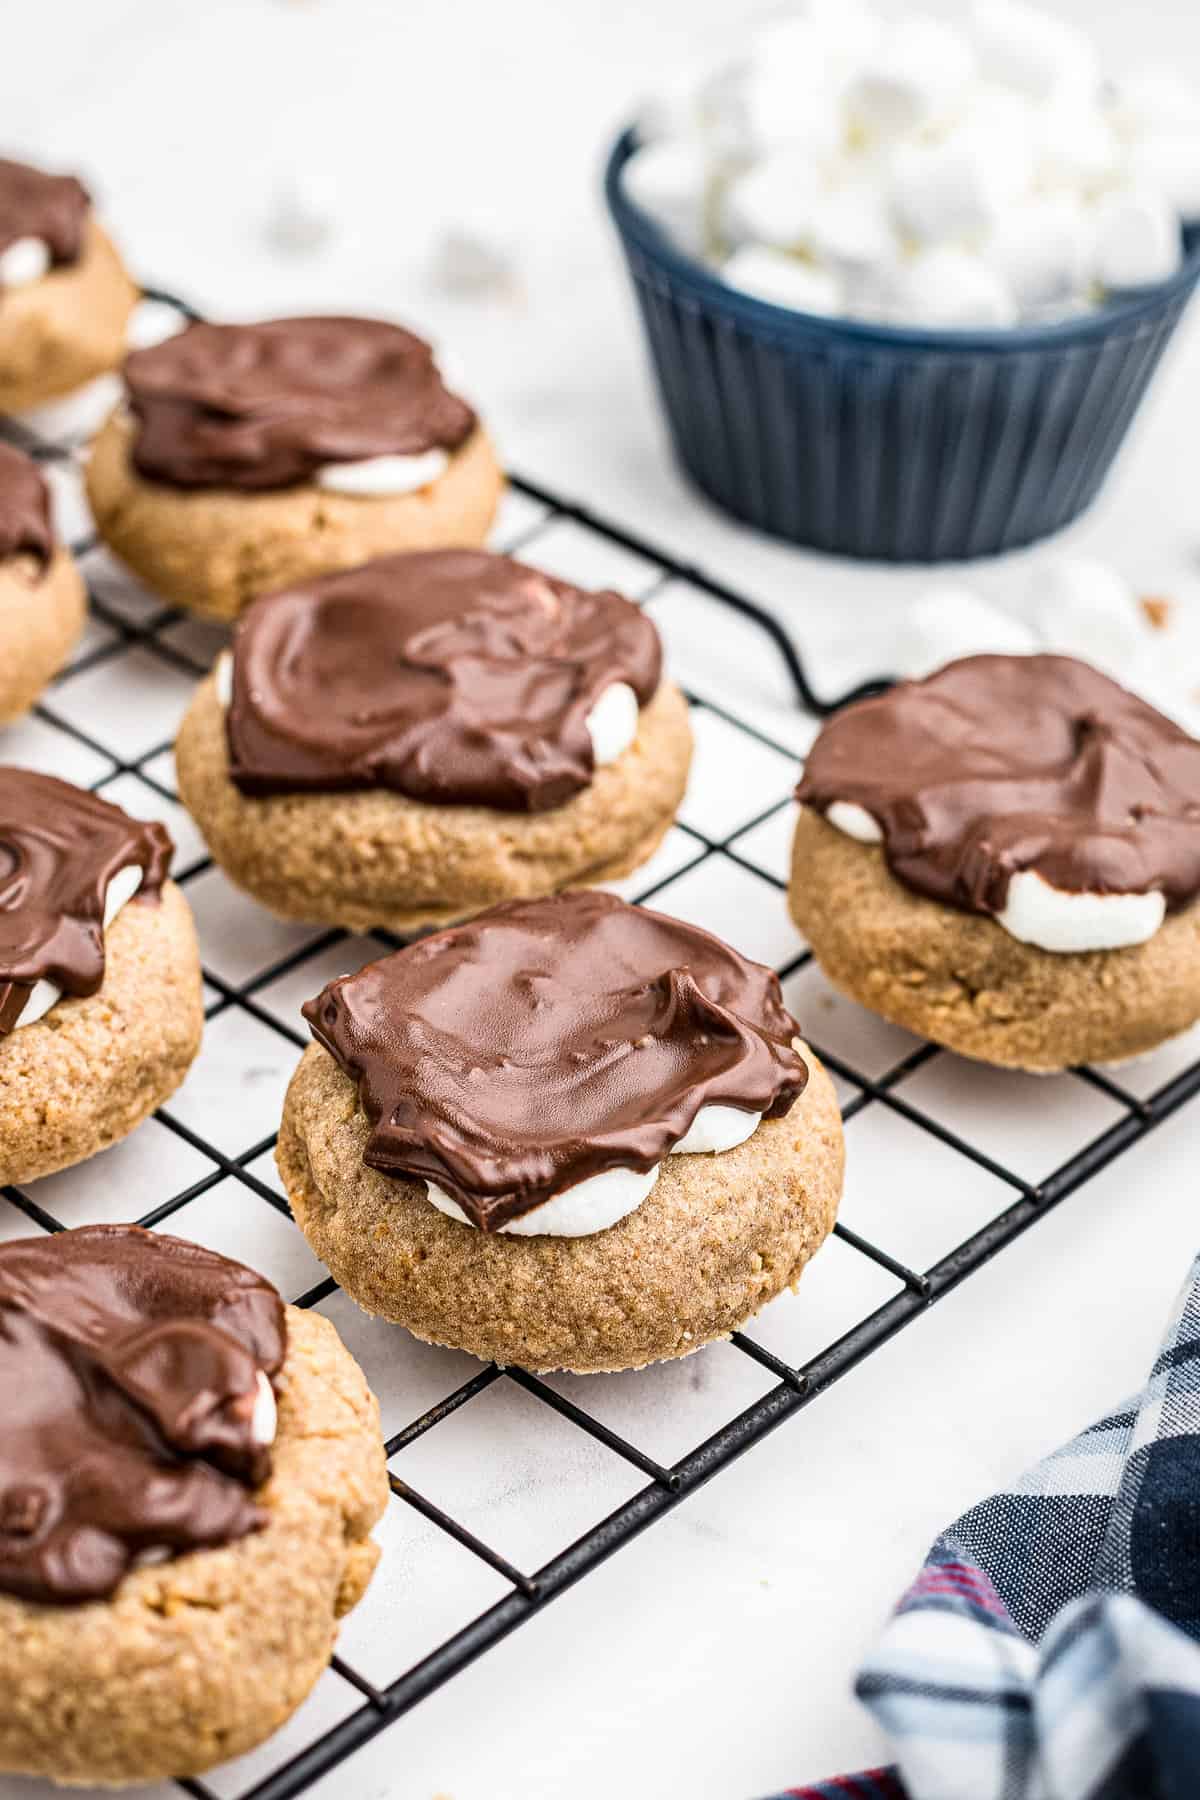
x=670, y=181
x=1042, y=250
x=716, y=1129
x=851, y=230
x=152, y=322
x=580, y=1211
x=119, y=892
x=377, y=475
x=840, y=32
x=613, y=723
x=1170, y=162
x=1083, y=607
x=946, y=191
x=26, y=259
x=1027, y=49
x=1036, y=913
x=953, y=290
x=264, y=1418
x=854, y=821
x=1155, y=100
x=1138, y=240
x=948, y=621
x=774, y=202
x=783, y=280
x=757, y=106
x=1076, y=147
x=918, y=69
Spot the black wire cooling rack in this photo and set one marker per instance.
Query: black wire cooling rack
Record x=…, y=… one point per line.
x=154, y=632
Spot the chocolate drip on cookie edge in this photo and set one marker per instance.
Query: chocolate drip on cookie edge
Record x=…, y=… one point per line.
x=53, y=208
x=265, y=406
x=546, y=1041
x=25, y=528
x=457, y=677
x=998, y=764
x=129, y=1365
x=60, y=846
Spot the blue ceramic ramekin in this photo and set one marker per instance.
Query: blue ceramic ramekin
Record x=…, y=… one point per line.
x=875, y=441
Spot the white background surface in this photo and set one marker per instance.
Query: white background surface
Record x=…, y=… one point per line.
x=714, y=1657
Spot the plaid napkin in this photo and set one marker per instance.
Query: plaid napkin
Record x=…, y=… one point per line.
x=1050, y=1647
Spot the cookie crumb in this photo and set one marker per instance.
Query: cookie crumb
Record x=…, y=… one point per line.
x=1157, y=610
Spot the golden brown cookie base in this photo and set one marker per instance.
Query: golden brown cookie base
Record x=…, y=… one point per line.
x=378, y=859
x=77, y=1080
x=42, y=612
x=196, y=1660
x=717, y=1238
x=215, y=549
x=63, y=330
x=963, y=981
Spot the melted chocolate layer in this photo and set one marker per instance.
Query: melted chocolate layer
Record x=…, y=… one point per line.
x=59, y=849
x=1004, y=763
x=51, y=207
x=450, y=676
x=509, y=1058
x=264, y=406
x=129, y=1366
x=25, y=528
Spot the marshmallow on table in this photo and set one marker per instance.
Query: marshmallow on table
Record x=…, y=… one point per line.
x=919, y=68
x=784, y=280
x=670, y=181
x=1137, y=238
x=1082, y=607
x=950, y=621
x=1030, y=50
x=954, y=290
x=1042, y=250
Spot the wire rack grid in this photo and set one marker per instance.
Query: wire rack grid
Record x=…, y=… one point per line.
x=108, y=723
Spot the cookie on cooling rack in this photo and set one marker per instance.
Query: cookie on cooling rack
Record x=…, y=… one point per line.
x=248, y=457
x=407, y=743
x=100, y=998
x=570, y=1134
x=186, y=1494
x=42, y=600
x=1005, y=858
x=65, y=298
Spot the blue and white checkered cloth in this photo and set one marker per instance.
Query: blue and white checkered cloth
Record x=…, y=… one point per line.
x=1050, y=1647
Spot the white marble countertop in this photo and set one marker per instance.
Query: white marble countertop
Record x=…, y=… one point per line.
x=713, y=1657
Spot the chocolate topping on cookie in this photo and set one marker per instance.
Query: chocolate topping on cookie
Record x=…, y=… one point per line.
x=511, y=1057
x=129, y=1366
x=266, y=406
x=25, y=528
x=33, y=204
x=451, y=676
x=998, y=764
x=60, y=846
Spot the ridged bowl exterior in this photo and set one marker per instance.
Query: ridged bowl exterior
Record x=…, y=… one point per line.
x=872, y=441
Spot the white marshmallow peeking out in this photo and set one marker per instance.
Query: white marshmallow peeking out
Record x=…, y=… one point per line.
x=612, y=723
x=26, y=259
x=264, y=1418
x=603, y=1200
x=121, y=889
x=854, y=821
x=915, y=73
x=1036, y=913
x=1137, y=239
x=379, y=475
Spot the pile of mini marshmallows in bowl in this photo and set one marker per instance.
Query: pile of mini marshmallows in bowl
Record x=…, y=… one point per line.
x=918, y=172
